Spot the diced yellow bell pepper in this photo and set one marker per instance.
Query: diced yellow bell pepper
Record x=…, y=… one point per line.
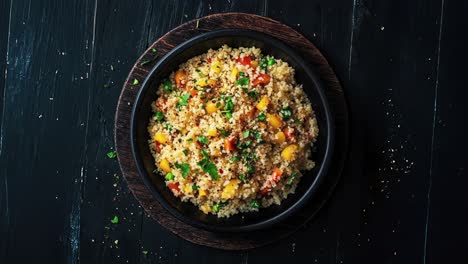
x=234, y=73
x=215, y=67
x=205, y=208
x=212, y=132
x=254, y=64
x=289, y=152
x=263, y=104
x=201, y=192
x=184, y=131
x=274, y=120
x=160, y=137
x=187, y=189
x=211, y=82
x=280, y=137
x=211, y=107
x=230, y=189
x=164, y=165
x=201, y=82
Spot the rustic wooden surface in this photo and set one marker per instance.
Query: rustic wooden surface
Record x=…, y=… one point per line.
x=402, y=65
x=141, y=69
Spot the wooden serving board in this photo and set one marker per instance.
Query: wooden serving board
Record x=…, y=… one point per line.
x=232, y=241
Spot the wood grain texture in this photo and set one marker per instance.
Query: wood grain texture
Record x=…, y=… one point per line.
x=164, y=45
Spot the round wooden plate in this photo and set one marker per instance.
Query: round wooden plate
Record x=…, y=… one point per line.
x=231, y=241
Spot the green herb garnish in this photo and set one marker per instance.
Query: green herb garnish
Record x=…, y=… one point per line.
x=112, y=154
x=217, y=206
x=145, y=252
x=115, y=220
x=203, y=140
x=168, y=126
x=194, y=187
x=158, y=116
x=243, y=81
x=291, y=178
x=185, y=152
x=271, y=62
x=263, y=63
x=183, y=100
x=233, y=159
x=190, y=140
x=185, y=168
x=246, y=134
x=223, y=132
x=286, y=113
x=228, y=107
x=169, y=176
x=207, y=166
x=167, y=85
x=261, y=117
x=254, y=204
x=242, y=177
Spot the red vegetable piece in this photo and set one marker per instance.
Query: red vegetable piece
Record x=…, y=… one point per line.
x=246, y=60
x=174, y=187
x=262, y=79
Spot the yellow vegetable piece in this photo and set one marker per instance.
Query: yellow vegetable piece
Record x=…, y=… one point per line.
x=211, y=82
x=188, y=188
x=274, y=120
x=215, y=67
x=201, y=192
x=164, y=165
x=280, y=137
x=160, y=137
x=205, y=208
x=202, y=82
x=254, y=64
x=234, y=73
x=230, y=189
x=212, y=132
x=184, y=131
x=263, y=104
x=211, y=107
x=289, y=152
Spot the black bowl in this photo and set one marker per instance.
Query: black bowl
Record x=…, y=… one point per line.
x=186, y=211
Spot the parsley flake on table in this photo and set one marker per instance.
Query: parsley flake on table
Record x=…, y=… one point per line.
x=112, y=154
x=135, y=82
x=115, y=220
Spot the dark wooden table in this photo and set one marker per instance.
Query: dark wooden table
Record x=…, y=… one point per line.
x=402, y=198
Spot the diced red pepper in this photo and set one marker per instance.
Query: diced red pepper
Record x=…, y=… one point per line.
x=192, y=92
x=262, y=79
x=208, y=59
x=174, y=187
x=181, y=78
x=157, y=146
x=246, y=60
x=229, y=144
x=289, y=133
x=276, y=176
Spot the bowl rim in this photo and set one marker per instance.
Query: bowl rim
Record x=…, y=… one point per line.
x=327, y=113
